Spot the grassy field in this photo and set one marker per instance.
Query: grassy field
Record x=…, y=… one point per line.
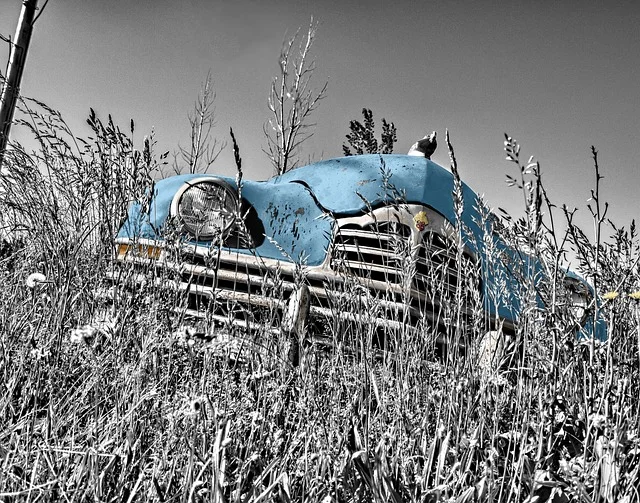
x=107, y=402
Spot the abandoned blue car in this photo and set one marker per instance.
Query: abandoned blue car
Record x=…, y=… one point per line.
x=365, y=241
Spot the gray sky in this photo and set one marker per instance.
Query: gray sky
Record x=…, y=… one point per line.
x=557, y=76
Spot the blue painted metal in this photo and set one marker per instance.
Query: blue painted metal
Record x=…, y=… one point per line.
x=298, y=208
x=345, y=186
x=294, y=224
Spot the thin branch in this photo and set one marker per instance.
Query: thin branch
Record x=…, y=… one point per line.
x=291, y=101
x=203, y=149
x=41, y=11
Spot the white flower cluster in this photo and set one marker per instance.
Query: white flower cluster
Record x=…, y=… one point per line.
x=35, y=279
x=104, y=325
x=85, y=333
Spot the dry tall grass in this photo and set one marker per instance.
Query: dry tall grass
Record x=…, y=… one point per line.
x=114, y=403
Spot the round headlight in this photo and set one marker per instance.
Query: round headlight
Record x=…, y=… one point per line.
x=207, y=207
x=579, y=299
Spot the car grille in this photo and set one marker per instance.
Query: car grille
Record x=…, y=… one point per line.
x=379, y=272
x=382, y=255
x=373, y=252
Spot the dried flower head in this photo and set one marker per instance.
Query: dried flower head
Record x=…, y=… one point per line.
x=610, y=295
x=35, y=279
x=85, y=333
x=635, y=295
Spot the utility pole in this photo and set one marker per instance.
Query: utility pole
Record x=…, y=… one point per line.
x=17, y=58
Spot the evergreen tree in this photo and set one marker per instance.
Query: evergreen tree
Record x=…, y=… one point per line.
x=362, y=137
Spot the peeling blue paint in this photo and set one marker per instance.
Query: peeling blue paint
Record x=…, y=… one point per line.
x=297, y=211
x=294, y=233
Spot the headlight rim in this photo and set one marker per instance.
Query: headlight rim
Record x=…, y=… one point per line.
x=207, y=180
x=578, y=287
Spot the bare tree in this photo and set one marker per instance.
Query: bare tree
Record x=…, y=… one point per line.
x=203, y=149
x=291, y=101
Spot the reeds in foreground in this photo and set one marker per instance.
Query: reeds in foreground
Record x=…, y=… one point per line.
x=112, y=402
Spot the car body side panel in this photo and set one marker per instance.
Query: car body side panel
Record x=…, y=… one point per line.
x=297, y=230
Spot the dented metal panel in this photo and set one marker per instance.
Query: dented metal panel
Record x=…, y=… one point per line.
x=294, y=226
x=346, y=185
